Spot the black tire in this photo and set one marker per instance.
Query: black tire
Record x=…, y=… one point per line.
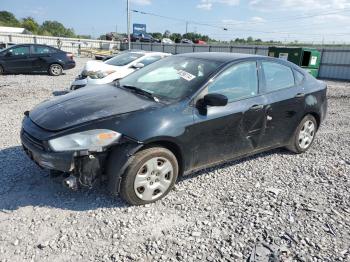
x=2, y=71
x=127, y=190
x=295, y=142
x=55, y=70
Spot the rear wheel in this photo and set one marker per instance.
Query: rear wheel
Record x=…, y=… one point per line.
x=150, y=176
x=55, y=69
x=304, y=135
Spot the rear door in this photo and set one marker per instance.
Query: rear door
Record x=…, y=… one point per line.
x=285, y=102
x=17, y=59
x=226, y=132
x=41, y=55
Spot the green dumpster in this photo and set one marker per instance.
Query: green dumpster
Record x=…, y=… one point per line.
x=307, y=58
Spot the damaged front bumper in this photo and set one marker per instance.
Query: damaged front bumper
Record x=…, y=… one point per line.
x=84, y=165
x=36, y=151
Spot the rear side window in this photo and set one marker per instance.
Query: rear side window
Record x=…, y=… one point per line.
x=150, y=59
x=44, y=50
x=237, y=82
x=299, y=77
x=277, y=76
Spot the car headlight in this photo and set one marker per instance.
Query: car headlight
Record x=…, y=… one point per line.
x=92, y=140
x=100, y=74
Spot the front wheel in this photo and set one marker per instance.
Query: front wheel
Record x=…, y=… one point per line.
x=55, y=69
x=1, y=70
x=150, y=176
x=304, y=136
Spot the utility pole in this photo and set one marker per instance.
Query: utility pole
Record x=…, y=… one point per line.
x=128, y=22
x=186, y=27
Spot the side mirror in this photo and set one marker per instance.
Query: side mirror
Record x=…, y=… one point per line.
x=8, y=54
x=215, y=99
x=138, y=65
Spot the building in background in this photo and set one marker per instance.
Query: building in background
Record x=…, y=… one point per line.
x=14, y=30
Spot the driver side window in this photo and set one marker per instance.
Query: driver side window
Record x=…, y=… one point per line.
x=237, y=82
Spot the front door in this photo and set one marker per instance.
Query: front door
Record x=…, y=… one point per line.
x=17, y=59
x=235, y=129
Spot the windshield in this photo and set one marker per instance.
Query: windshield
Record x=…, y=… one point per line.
x=123, y=59
x=173, y=77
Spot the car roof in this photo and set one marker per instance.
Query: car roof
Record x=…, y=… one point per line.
x=218, y=56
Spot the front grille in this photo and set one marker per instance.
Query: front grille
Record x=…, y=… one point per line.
x=32, y=141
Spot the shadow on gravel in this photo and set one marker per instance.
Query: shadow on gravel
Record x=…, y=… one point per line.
x=33, y=74
x=59, y=93
x=25, y=184
x=280, y=151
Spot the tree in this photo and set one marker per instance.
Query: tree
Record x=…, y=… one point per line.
x=55, y=28
x=250, y=39
x=8, y=19
x=30, y=24
x=167, y=34
x=157, y=35
x=176, y=37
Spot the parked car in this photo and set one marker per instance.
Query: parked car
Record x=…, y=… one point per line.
x=167, y=41
x=29, y=58
x=186, y=41
x=119, y=66
x=200, y=42
x=180, y=114
x=143, y=38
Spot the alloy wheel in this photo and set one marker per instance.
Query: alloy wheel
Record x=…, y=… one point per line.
x=56, y=70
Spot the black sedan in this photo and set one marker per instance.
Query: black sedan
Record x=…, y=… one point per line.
x=30, y=58
x=180, y=114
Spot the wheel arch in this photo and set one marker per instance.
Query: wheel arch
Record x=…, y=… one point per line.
x=54, y=62
x=172, y=147
x=316, y=116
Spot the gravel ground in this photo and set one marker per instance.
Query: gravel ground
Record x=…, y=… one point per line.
x=277, y=204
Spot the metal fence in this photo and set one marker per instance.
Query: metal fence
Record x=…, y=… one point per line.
x=68, y=44
x=335, y=62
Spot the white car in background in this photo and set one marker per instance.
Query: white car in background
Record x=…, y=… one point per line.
x=167, y=41
x=121, y=65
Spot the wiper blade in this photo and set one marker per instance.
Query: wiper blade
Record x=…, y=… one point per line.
x=141, y=92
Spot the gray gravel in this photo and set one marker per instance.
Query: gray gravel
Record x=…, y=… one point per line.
x=292, y=207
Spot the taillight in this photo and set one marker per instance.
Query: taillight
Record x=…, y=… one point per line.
x=70, y=56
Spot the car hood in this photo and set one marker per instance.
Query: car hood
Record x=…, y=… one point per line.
x=85, y=105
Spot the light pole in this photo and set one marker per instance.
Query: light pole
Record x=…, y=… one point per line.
x=128, y=22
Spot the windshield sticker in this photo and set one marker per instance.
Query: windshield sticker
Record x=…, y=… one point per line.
x=185, y=75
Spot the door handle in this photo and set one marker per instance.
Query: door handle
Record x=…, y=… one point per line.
x=257, y=107
x=299, y=95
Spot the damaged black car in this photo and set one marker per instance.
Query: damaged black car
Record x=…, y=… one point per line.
x=178, y=115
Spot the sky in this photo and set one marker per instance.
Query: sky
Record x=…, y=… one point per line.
x=310, y=21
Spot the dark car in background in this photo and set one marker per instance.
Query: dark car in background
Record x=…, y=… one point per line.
x=180, y=114
x=143, y=37
x=31, y=58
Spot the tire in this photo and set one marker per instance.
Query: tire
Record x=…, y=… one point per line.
x=55, y=70
x=2, y=71
x=304, y=135
x=150, y=175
